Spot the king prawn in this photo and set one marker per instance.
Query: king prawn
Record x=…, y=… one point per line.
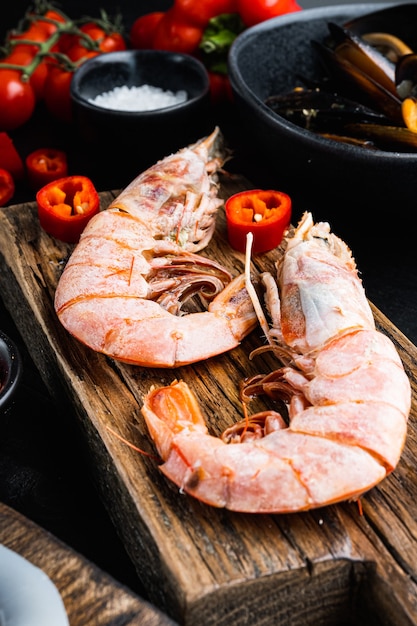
x=344, y=394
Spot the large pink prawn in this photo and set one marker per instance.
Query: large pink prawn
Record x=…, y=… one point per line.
x=343, y=383
x=135, y=266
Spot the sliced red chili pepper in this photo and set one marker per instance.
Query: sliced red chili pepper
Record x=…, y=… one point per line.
x=7, y=187
x=264, y=213
x=66, y=205
x=10, y=159
x=45, y=165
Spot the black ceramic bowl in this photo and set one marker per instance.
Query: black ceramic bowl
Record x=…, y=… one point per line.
x=349, y=186
x=10, y=372
x=122, y=143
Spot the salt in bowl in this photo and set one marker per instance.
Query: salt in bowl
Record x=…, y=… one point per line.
x=118, y=143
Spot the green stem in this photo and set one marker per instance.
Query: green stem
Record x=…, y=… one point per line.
x=45, y=47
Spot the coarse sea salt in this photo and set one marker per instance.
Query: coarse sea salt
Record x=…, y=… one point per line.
x=143, y=98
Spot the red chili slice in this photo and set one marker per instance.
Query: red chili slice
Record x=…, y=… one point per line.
x=66, y=205
x=7, y=187
x=45, y=165
x=10, y=159
x=264, y=213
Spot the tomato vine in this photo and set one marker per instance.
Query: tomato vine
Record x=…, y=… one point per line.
x=40, y=56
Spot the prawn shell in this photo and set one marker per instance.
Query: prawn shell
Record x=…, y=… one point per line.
x=284, y=472
x=344, y=385
x=360, y=394
x=321, y=295
x=119, y=294
x=130, y=329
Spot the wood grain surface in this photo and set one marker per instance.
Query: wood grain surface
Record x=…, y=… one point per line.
x=89, y=595
x=199, y=564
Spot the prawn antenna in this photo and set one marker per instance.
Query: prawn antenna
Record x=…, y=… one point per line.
x=251, y=289
x=131, y=445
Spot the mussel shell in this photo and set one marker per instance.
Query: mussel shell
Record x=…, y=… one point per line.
x=389, y=45
x=338, y=118
x=358, y=84
x=399, y=20
x=353, y=141
x=392, y=138
x=375, y=137
x=321, y=111
x=364, y=56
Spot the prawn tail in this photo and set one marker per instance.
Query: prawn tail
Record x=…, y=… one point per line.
x=168, y=412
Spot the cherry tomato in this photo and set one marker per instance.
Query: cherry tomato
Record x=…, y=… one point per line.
x=201, y=12
x=17, y=100
x=20, y=55
x=65, y=42
x=220, y=89
x=256, y=11
x=7, y=187
x=93, y=30
x=112, y=42
x=78, y=52
x=57, y=93
x=141, y=34
x=38, y=79
x=173, y=33
x=33, y=33
x=107, y=41
x=46, y=26
x=77, y=47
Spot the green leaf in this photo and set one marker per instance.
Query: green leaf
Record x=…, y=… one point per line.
x=218, y=36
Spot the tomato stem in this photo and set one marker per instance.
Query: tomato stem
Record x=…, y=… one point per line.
x=218, y=36
x=69, y=27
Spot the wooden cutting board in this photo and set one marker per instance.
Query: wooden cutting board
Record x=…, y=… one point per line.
x=89, y=595
x=199, y=564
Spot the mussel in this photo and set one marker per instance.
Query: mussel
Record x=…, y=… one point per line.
x=322, y=111
x=363, y=55
x=371, y=65
x=360, y=75
x=398, y=20
x=335, y=117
